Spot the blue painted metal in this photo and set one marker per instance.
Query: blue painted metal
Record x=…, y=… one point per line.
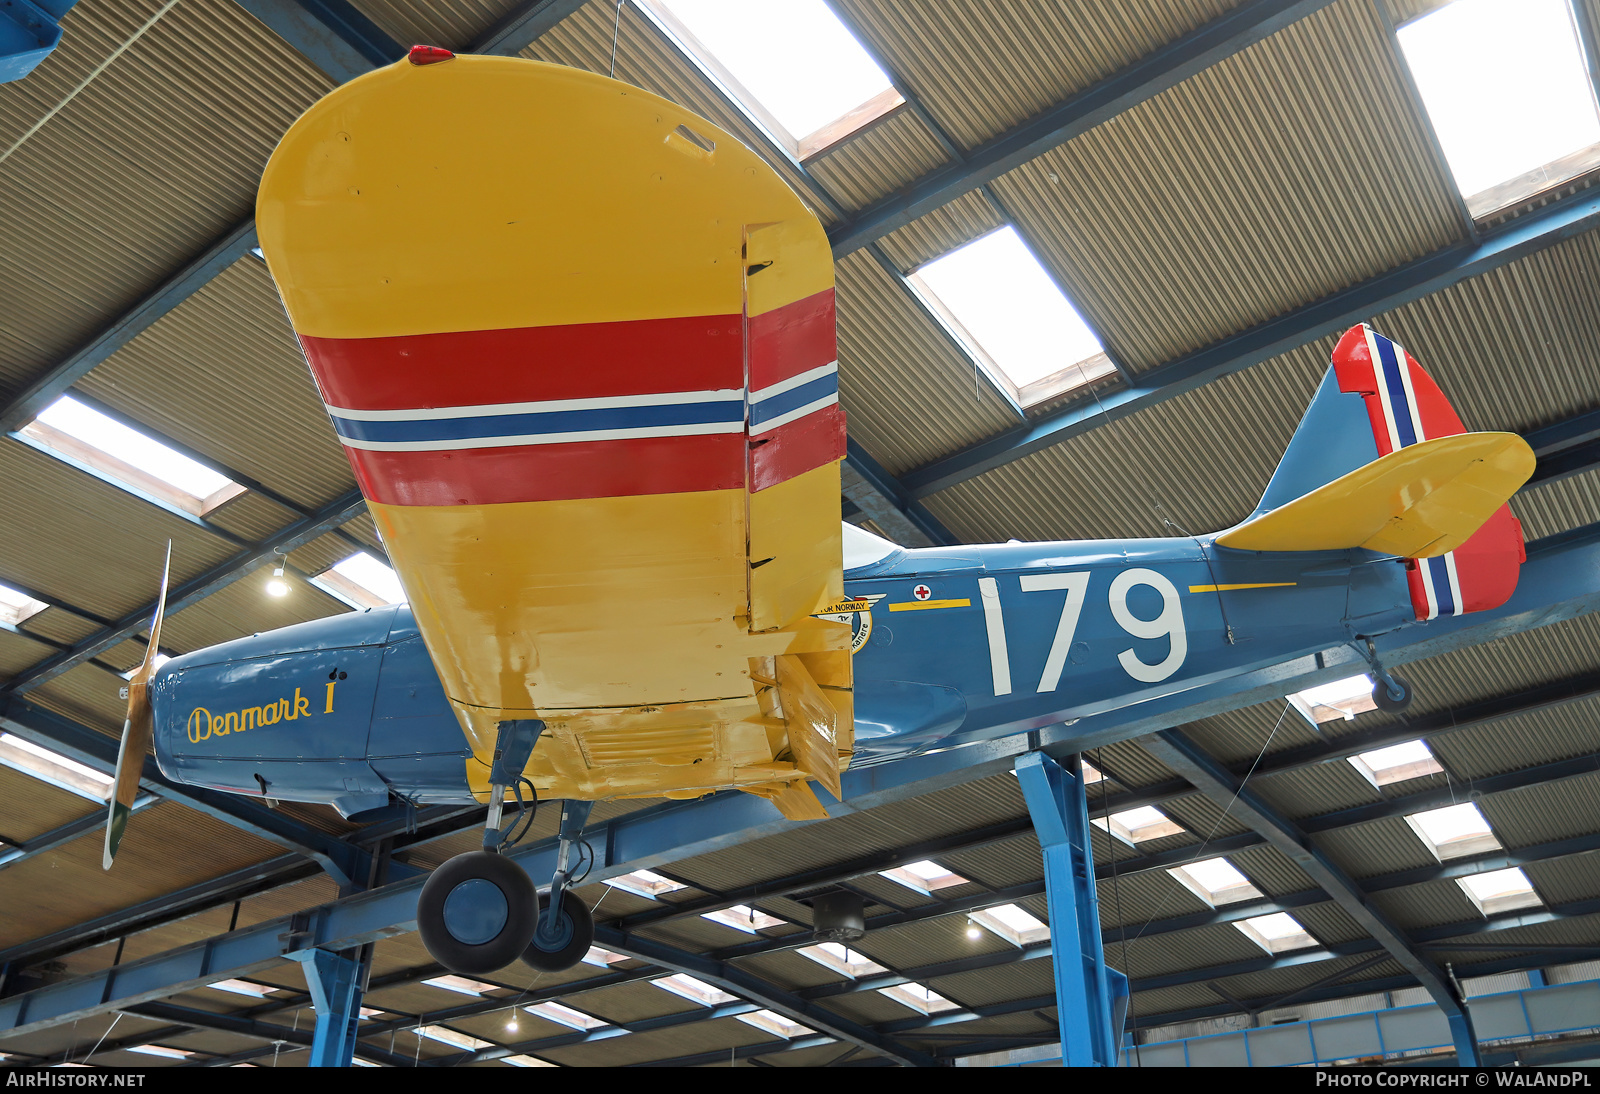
x=1060, y=811
x=887, y=503
x=227, y=249
x=30, y=30
x=1171, y=64
x=1541, y=1010
x=1330, y=315
x=331, y=34
x=335, y=983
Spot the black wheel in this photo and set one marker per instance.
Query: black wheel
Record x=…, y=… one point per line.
x=476, y=913
x=564, y=947
x=1387, y=702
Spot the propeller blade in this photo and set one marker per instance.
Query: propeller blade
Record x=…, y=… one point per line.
x=137, y=729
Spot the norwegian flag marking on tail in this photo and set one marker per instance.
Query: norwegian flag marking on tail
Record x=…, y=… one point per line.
x=1405, y=406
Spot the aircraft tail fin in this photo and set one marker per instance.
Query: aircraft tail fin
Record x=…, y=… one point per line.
x=1399, y=408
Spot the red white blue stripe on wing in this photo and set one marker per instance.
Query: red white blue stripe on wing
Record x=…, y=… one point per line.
x=558, y=421
x=795, y=398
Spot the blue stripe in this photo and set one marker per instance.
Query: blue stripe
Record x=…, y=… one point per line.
x=522, y=425
x=1398, y=403
x=808, y=392
x=1440, y=572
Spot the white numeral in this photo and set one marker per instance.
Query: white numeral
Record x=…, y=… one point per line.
x=1169, y=623
x=1077, y=585
x=994, y=622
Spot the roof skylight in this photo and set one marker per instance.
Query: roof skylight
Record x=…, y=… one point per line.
x=566, y=1016
x=1215, y=881
x=840, y=958
x=45, y=765
x=1383, y=766
x=82, y=436
x=919, y=997
x=999, y=300
x=161, y=1050
x=1016, y=925
x=244, y=987
x=1509, y=97
x=361, y=581
x=1500, y=891
x=693, y=989
x=1454, y=831
x=1332, y=701
x=525, y=1061
x=795, y=68
x=1137, y=825
x=926, y=877
x=601, y=958
x=462, y=984
x=646, y=883
x=774, y=1023
x=743, y=918
x=451, y=1037
x=16, y=607
x=1279, y=932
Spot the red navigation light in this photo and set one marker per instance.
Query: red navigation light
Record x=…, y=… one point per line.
x=428, y=55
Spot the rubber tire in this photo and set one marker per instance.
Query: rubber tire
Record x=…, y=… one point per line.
x=1380, y=695
x=522, y=900
x=577, y=913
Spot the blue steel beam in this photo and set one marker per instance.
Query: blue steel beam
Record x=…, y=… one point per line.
x=737, y=981
x=1219, y=784
x=300, y=532
x=247, y=1027
x=15, y=851
x=1521, y=237
x=26, y=404
x=331, y=34
x=1170, y=65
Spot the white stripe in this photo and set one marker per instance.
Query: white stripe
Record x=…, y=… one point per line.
x=994, y=625
x=1383, y=391
x=1427, y=589
x=429, y=414
x=1411, y=396
x=455, y=444
x=793, y=382
x=797, y=412
x=1455, y=582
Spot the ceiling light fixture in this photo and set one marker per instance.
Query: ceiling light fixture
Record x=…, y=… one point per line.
x=277, y=586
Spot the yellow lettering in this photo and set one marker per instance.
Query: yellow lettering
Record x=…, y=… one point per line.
x=302, y=705
x=249, y=718
x=329, y=708
x=290, y=712
x=199, y=719
x=270, y=714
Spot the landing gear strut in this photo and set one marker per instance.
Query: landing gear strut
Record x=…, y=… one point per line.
x=1392, y=694
x=478, y=911
x=565, y=930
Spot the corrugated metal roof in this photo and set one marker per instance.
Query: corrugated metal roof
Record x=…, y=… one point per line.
x=452, y=24
x=1377, y=847
x=1559, y=881
x=946, y=228
x=881, y=159
x=1538, y=814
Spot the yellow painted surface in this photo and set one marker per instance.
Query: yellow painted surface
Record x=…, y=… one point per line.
x=926, y=605
x=1422, y=501
x=489, y=193
x=486, y=193
x=1232, y=588
x=795, y=524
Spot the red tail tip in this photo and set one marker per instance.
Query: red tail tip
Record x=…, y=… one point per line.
x=428, y=55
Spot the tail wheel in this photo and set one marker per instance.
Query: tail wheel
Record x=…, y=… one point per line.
x=1386, y=701
x=560, y=944
x=476, y=913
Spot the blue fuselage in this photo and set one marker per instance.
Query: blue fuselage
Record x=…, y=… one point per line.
x=953, y=644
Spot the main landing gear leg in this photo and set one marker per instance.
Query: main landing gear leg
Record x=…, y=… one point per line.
x=565, y=930
x=477, y=912
x=1392, y=694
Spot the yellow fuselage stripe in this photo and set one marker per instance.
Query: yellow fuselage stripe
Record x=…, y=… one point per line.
x=1231, y=588
x=924, y=605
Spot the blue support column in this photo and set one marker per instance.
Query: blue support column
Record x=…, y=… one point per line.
x=1060, y=812
x=335, y=983
x=1465, y=1037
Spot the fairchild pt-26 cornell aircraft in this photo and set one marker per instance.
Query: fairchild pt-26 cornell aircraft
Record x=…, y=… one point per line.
x=578, y=344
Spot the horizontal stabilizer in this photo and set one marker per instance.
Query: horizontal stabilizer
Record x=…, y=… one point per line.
x=1420, y=501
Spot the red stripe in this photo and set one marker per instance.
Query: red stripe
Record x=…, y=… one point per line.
x=552, y=472
x=800, y=446
x=789, y=340
x=529, y=364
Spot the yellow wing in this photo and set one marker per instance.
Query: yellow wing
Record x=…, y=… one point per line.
x=579, y=346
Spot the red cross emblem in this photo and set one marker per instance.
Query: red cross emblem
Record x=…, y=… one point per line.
x=922, y=592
